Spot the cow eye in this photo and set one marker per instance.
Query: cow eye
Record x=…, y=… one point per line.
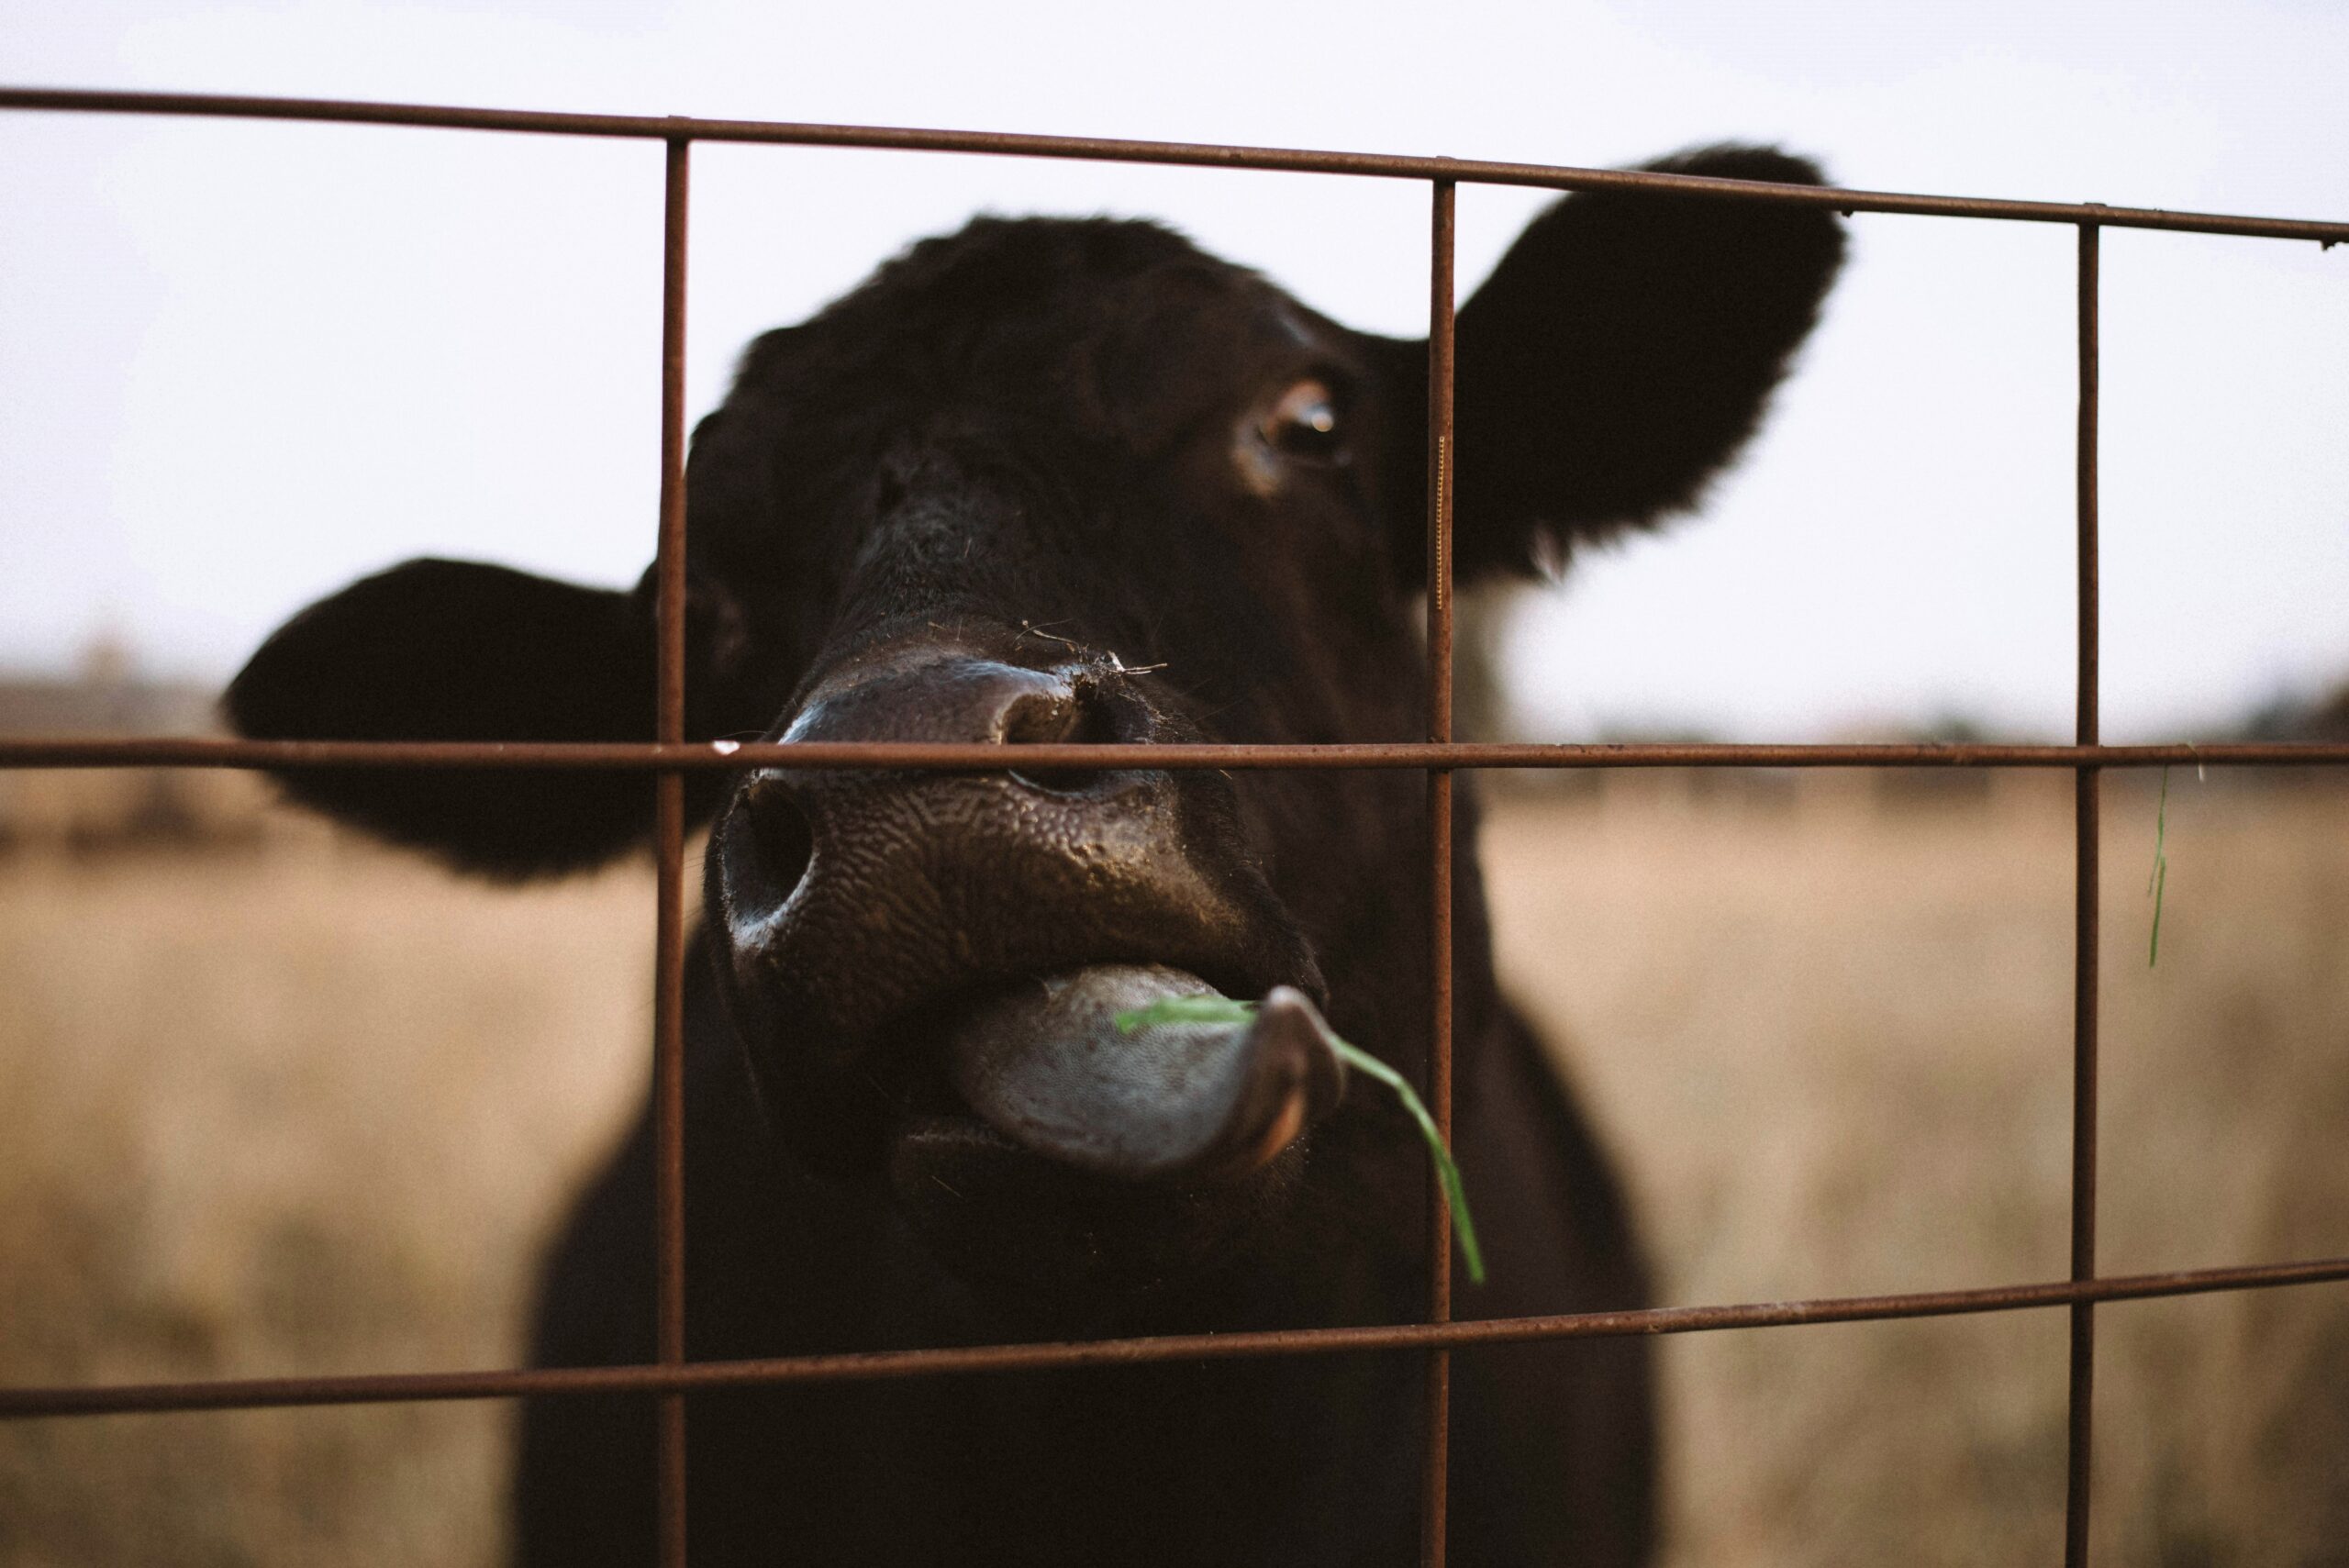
x=1305, y=424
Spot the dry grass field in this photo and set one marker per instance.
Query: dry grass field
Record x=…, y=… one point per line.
x=310, y=1109
x=1831, y=1038
x=308, y=1106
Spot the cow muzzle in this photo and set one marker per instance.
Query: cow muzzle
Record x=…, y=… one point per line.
x=928, y=969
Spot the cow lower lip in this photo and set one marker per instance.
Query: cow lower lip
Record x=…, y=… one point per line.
x=1043, y=1065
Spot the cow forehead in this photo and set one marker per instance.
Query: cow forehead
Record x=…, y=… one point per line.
x=1019, y=379
x=1023, y=309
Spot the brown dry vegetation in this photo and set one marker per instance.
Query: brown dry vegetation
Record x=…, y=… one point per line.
x=306, y=1110
x=1832, y=1040
x=311, y=1108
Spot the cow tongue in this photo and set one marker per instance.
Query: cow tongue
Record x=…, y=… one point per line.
x=1046, y=1065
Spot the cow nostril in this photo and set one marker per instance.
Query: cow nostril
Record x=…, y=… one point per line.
x=1080, y=719
x=781, y=840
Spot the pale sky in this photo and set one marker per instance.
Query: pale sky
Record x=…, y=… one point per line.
x=241, y=363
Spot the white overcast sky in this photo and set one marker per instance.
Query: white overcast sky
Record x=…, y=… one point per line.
x=240, y=363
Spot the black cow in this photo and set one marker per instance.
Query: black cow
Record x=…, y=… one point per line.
x=1053, y=480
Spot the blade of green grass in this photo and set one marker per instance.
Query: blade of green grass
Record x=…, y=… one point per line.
x=1224, y=1010
x=1186, y=1010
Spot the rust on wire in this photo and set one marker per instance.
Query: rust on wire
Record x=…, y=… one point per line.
x=2087, y=829
x=1107, y=150
x=668, y=1239
x=18, y=1403
x=87, y=751
x=1434, y=1489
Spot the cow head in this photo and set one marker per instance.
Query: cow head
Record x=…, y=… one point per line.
x=1049, y=480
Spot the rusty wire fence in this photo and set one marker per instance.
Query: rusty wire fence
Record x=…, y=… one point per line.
x=671, y=1377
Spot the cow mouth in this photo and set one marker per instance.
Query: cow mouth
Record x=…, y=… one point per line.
x=1055, y=1068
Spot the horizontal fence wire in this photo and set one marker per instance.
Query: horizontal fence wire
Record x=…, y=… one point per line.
x=864, y=1366
x=708, y=756
x=1108, y=150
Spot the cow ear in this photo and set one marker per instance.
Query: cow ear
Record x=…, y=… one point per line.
x=1623, y=350
x=457, y=650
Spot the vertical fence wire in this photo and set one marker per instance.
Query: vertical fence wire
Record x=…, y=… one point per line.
x=1435, y=1489
x=669, y=827
x=2087, y=826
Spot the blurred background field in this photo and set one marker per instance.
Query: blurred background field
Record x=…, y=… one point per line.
x=286, y=1104
x=1829, y=1030
x=279, y=1102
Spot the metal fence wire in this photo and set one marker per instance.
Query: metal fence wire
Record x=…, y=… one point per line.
x=671, y=1377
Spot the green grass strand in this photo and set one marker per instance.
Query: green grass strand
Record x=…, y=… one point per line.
x=1224, y=1010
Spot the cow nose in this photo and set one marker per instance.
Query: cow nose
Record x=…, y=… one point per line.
x=917, y=699
x=859, y=913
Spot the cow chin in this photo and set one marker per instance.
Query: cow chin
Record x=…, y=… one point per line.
x=1068, y=1248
